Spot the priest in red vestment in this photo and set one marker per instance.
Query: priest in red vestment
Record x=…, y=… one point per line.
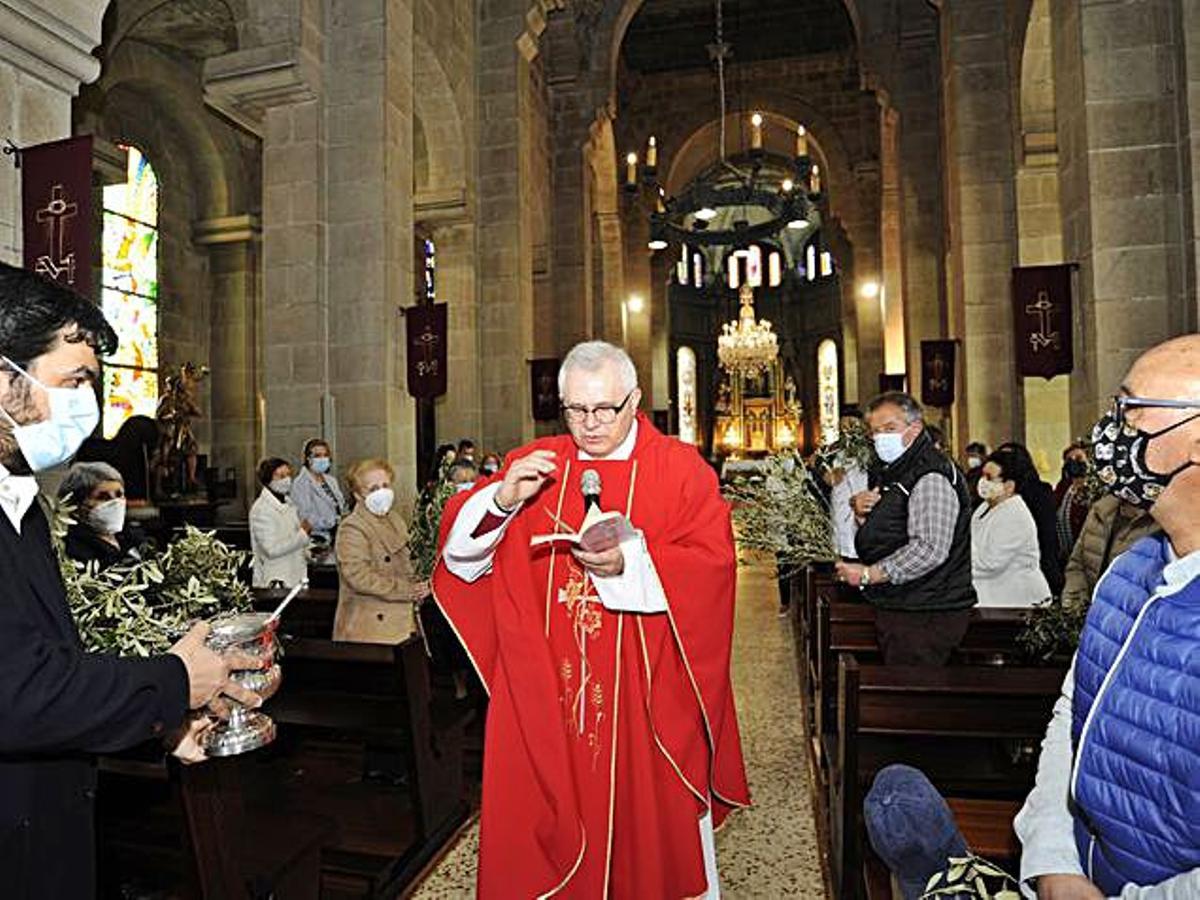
x=612, y=746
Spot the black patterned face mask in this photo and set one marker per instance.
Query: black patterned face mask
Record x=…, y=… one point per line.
x=1120, y=452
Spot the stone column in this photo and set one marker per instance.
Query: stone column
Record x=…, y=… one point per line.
x=978, y=124
x=233, y=244
x=460, y=411
x=1124, y=186
x=45, y=54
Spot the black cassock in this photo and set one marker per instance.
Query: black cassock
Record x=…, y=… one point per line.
x=58, y=706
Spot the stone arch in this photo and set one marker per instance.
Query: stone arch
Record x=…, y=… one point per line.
x=436, y=109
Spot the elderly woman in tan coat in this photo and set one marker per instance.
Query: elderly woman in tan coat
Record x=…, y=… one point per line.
x=378, y=592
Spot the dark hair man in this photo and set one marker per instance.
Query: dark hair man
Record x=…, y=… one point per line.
x=58, y=703
x=914, y=541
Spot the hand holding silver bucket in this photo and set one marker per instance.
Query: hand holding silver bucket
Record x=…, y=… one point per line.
x=250, y=634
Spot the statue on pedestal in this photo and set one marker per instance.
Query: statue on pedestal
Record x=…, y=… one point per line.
x=177, y=445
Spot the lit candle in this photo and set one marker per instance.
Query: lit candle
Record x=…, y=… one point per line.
x=756, y=121
x=631, y=169
x=660, y=206
x=652, y=153
x=815, y=179
x=801, y=141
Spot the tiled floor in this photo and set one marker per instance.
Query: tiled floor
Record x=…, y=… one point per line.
x=769, y=851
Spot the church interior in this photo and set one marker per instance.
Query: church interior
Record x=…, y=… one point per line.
x=384, y=223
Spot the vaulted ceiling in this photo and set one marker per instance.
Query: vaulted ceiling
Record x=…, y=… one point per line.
x=668, y=35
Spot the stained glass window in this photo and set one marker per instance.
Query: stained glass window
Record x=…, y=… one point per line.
x=130, y=293
x=685, y=373
x=827, y=390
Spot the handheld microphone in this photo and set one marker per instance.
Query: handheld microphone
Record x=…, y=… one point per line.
x=589, y=485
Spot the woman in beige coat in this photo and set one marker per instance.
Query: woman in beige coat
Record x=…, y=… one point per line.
x=378, y=592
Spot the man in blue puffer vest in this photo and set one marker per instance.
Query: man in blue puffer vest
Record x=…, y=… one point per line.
x=1116, y=807
x=1115, y=811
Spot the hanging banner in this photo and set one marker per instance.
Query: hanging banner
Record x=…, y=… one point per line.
x=425, y=335
x=1042, y=320
x=896, y=381
x=56, y=211
x=543, y=384
x=937, y=372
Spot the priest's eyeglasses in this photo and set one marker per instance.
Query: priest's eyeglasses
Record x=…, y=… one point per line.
x=1122, y=403
x=604, y=414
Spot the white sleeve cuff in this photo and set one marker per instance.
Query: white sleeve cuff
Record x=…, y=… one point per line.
x=469, y=557
x=637, y=589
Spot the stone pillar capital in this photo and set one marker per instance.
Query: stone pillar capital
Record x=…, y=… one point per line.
x=244, y=84
x=53, y=46
x=227, y=230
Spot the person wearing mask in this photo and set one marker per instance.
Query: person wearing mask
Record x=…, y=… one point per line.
x=913, y=540
x=316, y=493
x=463, y=474
x=1005, y=565
x=1073, y=499
x=466, y=450
x=1039, y=497
x=490, y=465
x=59, y=705
x=278, y=536
x=96, y=491
x=378, y=592
x=977, y=452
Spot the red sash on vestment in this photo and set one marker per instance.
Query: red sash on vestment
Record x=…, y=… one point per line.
x=608, y=734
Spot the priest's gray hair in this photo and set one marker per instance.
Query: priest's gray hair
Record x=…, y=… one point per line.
x=594, y=355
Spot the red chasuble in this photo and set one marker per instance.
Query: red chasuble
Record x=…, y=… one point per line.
x=608, y=734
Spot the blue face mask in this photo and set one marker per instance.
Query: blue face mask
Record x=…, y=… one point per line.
x=319, y=464
x=74, y=415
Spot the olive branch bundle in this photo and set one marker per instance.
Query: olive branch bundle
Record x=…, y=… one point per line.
x=140, y=608
x=779, y=510
x=426, y=522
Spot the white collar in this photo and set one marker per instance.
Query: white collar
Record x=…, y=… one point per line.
x=17, y=493
x=624, y=449
x=1179, y=571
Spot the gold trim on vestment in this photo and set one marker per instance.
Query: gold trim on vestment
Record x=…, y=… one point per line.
x=575, y=868
x=562, y=492
x=703, y=798
x=612, y=765
x=449, y=621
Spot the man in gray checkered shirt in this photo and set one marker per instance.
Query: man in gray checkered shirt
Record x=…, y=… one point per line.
x=914, y=540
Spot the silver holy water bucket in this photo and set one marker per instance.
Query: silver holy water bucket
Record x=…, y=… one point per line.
x=246, y=729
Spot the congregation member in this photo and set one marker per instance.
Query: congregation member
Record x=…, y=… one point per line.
x=1039, y=497
x=278, y=536
x=100, y=534
x=377, y=590
x=490, y=465
x=627, y=642
x=1112, y=527
x=466, y=450
x=59, y=706
x=1005, y=565
x=1114, y=809
x=977, y=452
x=316, y=493
x=914, y=539
x=1071, y=495
x=845, y=478
x=463, y=474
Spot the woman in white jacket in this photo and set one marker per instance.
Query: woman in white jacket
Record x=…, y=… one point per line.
x=1005, y=559
x=278, y=536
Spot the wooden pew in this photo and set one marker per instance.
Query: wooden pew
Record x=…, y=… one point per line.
x=849, y=627
x=347, y=701
x=958, y=724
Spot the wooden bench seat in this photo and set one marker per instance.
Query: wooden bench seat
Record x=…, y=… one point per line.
x=969, y=728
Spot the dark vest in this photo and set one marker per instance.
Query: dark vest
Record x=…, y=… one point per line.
x=886, y=530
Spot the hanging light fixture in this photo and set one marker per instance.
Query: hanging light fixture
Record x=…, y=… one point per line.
x=748, y=346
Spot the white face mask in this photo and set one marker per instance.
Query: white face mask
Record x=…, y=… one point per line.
x=974, y=462
x=990, y=490
x=74, y=415
x=889, y=445
x=380, y=502
x=282, y=486
x=319, y=464
x=108, y=517
x=465, y=486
